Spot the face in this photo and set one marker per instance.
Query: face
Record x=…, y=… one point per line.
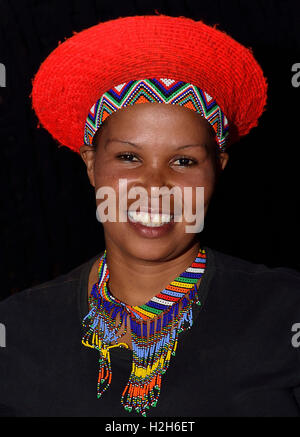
x=153, y=145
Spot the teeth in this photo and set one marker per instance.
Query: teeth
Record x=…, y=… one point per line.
x=146, y=219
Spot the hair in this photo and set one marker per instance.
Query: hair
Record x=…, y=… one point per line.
x=214, y=152
x=97, y=134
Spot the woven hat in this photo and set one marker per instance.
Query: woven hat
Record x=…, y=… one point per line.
x=82, y=68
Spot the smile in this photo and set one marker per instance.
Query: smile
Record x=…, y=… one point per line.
x=150, y=219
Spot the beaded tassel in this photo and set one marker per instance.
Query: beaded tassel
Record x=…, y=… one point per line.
x=151, y=357
x=153, y=344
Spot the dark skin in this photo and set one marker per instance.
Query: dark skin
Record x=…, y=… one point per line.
x=150, y=145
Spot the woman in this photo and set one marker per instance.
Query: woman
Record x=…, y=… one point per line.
x=179, y=329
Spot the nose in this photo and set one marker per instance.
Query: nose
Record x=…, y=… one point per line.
x=153, y=176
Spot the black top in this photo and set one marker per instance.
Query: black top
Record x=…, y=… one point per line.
x=239, y=358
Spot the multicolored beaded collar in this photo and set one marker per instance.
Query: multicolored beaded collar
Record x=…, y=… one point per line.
x=154, y=326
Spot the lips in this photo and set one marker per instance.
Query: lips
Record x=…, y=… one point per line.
x=150, y=223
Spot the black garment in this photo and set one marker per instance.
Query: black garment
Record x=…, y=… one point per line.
x=237, y=360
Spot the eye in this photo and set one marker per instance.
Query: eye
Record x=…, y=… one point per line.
x=184, y=161
x=127, y=157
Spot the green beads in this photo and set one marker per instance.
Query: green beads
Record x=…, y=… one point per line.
x=151, y=349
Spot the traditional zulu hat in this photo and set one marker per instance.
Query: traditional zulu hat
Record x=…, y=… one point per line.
x=139, y=59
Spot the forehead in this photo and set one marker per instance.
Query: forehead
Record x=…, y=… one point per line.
x=159, y=119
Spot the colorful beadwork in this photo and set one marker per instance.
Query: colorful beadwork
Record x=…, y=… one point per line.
x=161, y=91
x=155, y=328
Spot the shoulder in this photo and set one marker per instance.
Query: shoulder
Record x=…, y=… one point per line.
x=57, y=294
x=238, y=267
x=254, y=284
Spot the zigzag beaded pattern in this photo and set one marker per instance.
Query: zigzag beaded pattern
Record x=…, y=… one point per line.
x=162, y=302
x=152, y=346
x=161, y=90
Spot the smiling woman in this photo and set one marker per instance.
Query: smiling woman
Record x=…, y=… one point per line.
x=180, y=328
x=153, y=145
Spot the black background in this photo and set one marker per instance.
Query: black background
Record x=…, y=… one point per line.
x=48, y=222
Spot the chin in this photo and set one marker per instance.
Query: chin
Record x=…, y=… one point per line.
x=156, y=249
x=150, y=250
x=158, y=246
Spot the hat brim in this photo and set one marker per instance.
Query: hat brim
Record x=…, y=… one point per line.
x=83, y=67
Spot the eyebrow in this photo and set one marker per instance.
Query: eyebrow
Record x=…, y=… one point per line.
x=110, y=140
x=192, y=145
x=139, y=147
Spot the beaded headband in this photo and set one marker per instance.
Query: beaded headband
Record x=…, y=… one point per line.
x=161, y=91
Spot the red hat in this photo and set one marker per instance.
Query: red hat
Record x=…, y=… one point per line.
x=85, y=66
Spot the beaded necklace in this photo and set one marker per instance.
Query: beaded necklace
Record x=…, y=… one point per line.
x=155, y=327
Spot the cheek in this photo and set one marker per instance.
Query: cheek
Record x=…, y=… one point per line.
x=108, y=171
x=205, y=178
x=105, y=173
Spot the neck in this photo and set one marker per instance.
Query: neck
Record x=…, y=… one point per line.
x=135, y=281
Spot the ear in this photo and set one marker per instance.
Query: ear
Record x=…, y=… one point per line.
x=224, y=157
x=88, y=154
